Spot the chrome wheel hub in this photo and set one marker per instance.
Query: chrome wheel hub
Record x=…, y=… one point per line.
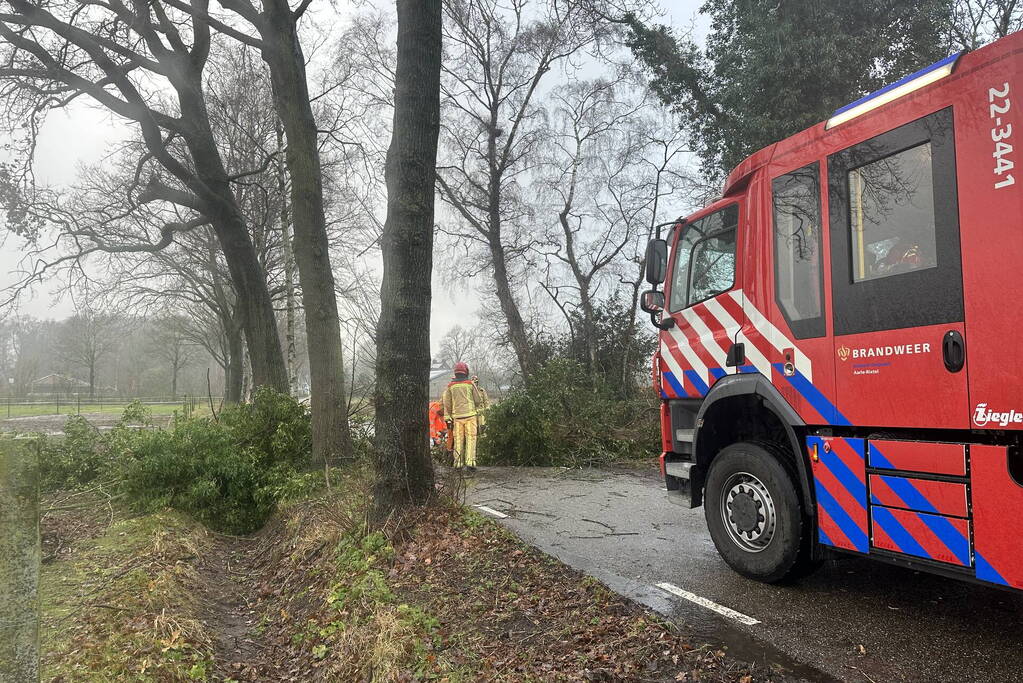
x=748, y=512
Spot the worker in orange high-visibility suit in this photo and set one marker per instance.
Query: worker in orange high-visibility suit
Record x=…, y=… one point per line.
x=464, y=403
x=437, y=425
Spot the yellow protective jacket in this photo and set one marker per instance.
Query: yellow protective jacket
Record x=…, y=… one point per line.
x=462, y=399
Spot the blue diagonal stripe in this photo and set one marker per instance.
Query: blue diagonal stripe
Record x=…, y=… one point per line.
x=717, y=373
x=814, y=397
x=842, y=518
x=847, y=478
x=694, y=377
x=823, y=537
x=877, y=459
x=903, y=539
x=950, y=536
x=673, y=383
x=988, y=573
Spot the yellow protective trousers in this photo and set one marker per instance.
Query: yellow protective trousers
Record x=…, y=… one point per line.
x=465, y=431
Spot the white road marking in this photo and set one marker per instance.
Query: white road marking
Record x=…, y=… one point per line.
x=709, y=604
x=490, y=511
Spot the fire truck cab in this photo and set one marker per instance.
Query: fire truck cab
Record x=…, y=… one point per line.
x=836, y=359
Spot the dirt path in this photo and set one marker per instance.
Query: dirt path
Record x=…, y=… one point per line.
x=230, y=581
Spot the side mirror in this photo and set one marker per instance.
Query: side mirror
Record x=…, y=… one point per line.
x=652, y=301
x=656, y=261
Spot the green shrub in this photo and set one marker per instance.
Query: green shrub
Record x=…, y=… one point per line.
x=137, y=413
x=76, y=460
x=230, y=474
x=561, y=418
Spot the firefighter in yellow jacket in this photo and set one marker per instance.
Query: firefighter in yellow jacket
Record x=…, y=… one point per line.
x=464, y=403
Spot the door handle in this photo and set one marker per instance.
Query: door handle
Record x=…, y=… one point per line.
x=953, y=351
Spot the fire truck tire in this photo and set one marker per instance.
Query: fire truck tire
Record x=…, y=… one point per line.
x=754, y=514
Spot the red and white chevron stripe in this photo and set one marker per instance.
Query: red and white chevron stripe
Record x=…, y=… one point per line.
x=700, y=343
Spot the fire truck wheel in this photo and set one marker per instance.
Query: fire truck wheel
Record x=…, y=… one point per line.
x=753, y=512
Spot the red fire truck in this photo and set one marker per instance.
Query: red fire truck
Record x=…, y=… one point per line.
x=836, y=359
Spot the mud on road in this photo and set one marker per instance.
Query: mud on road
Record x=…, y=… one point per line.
x=852, y=620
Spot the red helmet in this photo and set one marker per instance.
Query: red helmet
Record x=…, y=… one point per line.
x=461, y=368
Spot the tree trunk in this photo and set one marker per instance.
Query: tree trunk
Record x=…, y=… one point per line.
x=257, y=313
x=589, y=333
x=517, y=336
x=502, y=282
x=404, y=470
x=245, y=365
x=283, y=55
x=235, y=363
x=630, y=329
x=175, y=368
x=289, y=265
x=221, y=207
x=92, y=379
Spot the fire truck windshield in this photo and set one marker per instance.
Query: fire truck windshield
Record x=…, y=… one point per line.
x=705, y=258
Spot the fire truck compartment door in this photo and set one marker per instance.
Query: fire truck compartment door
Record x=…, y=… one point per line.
x=897, y=283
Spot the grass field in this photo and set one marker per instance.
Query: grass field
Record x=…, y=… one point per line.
x=31, y=409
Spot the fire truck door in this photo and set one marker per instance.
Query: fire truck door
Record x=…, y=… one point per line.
x=897, y=285
x=707, y=319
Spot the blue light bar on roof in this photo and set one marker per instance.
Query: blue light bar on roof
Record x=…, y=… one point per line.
x=914, y=81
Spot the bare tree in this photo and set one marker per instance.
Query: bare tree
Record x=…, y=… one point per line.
x=86, y=339
x=128, y=59
x=171, y=341
x=404, y=470
x=112, y=43
x=977, y=22
x=592, y=156
x=456, y=345
x=498, y=55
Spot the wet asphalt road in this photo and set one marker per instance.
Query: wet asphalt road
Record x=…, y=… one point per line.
x=853, y=620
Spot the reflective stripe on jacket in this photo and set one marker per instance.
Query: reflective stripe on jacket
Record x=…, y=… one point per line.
x=461, y=399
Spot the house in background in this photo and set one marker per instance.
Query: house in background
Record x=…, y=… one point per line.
x=58, y=385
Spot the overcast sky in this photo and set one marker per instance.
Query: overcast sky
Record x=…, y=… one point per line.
x=83, y=134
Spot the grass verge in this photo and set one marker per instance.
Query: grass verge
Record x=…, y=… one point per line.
x=118, y=602
x=448, y=595
x=441, y=594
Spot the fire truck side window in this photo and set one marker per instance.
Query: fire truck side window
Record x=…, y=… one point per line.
x=894, y=223
x=705, y=259
x=891, y=204
x=799, y=282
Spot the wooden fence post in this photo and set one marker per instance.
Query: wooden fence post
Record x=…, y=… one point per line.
x=20, y=556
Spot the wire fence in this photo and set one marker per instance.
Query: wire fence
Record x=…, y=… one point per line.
x=76, y=405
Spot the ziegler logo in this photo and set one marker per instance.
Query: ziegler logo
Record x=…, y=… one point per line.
x=983, y=415
x=843, y=352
